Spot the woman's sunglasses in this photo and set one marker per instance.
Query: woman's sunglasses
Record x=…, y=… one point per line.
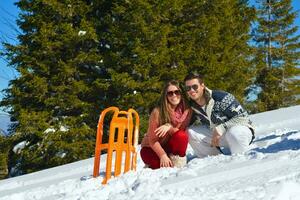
x=171, y=93
x=194, y=87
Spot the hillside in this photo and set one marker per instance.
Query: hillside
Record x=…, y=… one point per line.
x=269, y=171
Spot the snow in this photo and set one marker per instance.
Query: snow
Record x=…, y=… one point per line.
x=269, y=171
x=18, y=147
x=64, y=128
x=49, y=130
x=81, y=33
x=52, y=130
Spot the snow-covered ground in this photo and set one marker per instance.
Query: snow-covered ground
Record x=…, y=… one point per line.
x=4, y=122
x=270, y=171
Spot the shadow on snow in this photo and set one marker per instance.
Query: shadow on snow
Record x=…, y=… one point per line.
x=285, y=143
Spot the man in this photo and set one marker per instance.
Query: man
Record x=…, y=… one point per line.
x=220, y=120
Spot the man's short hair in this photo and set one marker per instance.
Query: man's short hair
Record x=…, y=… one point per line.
x=194, y=75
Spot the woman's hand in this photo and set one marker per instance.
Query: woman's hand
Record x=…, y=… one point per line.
x=165, y=161
x=162, y=130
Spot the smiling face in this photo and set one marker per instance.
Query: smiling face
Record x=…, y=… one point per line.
x=195, y=89
x=173, y=95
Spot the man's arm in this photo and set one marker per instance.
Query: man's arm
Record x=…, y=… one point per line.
x=233, y=110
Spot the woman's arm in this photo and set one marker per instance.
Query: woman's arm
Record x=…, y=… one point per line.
x=153, y=138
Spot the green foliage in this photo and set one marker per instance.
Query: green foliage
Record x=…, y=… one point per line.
x=3, y=166
x=151, y=42
x=5, y=144
x=57, y=59
x=277, y=55
x=223, y=48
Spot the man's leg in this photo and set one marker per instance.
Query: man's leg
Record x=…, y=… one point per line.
x=238, y=139
x=200, y=141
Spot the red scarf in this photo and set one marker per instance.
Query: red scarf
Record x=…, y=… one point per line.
x=178, y=115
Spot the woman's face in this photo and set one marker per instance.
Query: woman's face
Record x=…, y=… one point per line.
x=173, y=95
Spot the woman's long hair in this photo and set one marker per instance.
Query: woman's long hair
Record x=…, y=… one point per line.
x=164, y=106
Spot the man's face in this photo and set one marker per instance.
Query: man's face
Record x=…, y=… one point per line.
x=194, y=89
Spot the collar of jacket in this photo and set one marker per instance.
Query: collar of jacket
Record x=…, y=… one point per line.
x=207, y=95
x=209, y=105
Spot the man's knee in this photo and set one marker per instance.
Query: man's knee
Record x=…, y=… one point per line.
x=238, y=138
x=238, y=133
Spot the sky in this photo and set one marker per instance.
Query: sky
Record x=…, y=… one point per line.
x=8, y=15
x=8, y=32
x=269, y=171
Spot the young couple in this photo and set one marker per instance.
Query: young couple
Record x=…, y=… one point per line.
x=218, y=121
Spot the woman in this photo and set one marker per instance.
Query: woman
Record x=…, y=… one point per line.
x=166, y=138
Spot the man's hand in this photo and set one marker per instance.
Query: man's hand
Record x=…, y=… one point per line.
x=165, y=161
x=162, y=130
x=215, y=141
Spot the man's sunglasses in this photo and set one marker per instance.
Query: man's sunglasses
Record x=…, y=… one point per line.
x=171, y=93
x=194, y=87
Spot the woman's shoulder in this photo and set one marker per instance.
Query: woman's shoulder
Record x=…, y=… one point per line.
x=189, y=110
x=190, y=113
x=155, y=111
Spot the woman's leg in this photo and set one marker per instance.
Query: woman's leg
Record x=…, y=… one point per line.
x=150, y=158
x=177, y=144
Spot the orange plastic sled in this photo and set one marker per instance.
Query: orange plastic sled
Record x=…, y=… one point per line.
x=126, y=132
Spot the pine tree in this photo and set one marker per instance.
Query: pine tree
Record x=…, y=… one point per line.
x=143, y=52
x=53, y=100
x=277, y=56
x=5, y=147
x=152, y=41
x=224, y=52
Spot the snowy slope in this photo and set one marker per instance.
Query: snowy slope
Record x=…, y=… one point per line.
x=269, y=171
x=4, y=122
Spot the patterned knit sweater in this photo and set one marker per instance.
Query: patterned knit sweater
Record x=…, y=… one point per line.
x=222, y=111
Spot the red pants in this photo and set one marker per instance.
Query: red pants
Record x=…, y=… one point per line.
x=176, y=145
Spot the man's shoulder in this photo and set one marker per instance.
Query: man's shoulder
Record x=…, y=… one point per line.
x=219, y=95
